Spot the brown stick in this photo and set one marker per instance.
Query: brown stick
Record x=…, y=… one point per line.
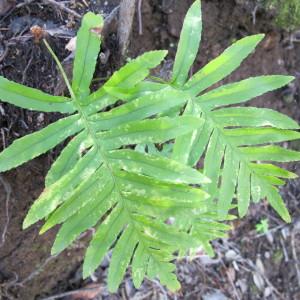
x=7, y=189
x=63, y=295
x=126, y=15
x=140, y=17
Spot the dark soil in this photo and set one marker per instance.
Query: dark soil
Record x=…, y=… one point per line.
x=248, y=266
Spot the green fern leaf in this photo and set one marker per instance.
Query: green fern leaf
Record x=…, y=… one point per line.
x=98, y=180
x=140, y=89
x=84, y=218
x=155, y=166
x=87, y=48
x=188, y=45
x=253, y=117
x=67, y=159
x=33, y=99
x=31, y=146
x=223, y=65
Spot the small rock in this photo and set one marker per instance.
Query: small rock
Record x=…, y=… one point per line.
x=242, y=284
x=267, y=255
x=285, y=231
x=207, y=261
x=260, y=265
x=270, y=237
x=40, y=118
x=297, y=226
x=215, y=296
x=267, y=292
x=231, y=255
x=259, y=281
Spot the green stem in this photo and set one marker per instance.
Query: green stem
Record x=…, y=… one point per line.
x=61, y=69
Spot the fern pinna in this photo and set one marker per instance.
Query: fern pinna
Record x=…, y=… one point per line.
x=147, y=205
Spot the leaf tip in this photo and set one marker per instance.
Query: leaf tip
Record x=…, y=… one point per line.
x=86, y=271
x=242, y=213
x=293, y=175
x=44, y=228
x=112, y=288
x=54, y=250
x=254, y=39
x=164, y=53
x=287, y=217
x=259, y=37
x=290, y=78
x=27, y=222
x=196, y=3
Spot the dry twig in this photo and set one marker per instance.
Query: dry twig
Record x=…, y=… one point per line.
x=295, y=257
x=3, y=138
x=66, y=294
x=7, y=189
x=37, y=271
x=26, y=2
x=140, y=17
x=63, y=7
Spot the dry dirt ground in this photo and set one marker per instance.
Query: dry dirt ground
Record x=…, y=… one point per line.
x=248, y=265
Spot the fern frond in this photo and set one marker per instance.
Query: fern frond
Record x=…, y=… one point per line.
x=98, y=180
x=149, y=208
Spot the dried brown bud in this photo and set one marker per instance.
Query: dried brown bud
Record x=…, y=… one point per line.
x=38, y=33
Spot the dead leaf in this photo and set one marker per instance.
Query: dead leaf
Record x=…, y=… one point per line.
x=231, y=274
x=258, y=280
x=71, y=46
x=89, y=292
x=260, y=265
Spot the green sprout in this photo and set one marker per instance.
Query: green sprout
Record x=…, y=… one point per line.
x=262, y=226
